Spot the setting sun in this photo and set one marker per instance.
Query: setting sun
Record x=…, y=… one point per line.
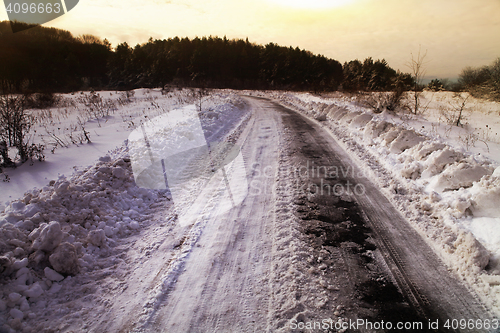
x=312, y=4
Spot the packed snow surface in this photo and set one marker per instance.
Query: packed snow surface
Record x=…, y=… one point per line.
x=444, y=178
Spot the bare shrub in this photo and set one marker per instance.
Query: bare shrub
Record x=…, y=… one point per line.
x=455, y=113
x=198, y=95
x=15, y=125
x=35, y=151
x=85, y=135
x=381, y=101
x=483, y=82
x=469, y=140
x=96, y=107
x=42, y=100
x=126, y=97
x=4, y=156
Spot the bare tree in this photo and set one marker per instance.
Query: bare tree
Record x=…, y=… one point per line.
x=417, y=66
x=198, y=94
x=15, y=125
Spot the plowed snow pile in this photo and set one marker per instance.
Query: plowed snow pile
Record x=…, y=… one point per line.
x=67, y=227
x=450, y=194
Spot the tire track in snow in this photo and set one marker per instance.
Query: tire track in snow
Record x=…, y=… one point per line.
x=223, y=286
x=419, y=273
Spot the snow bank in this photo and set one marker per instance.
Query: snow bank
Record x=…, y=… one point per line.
x=59, y=239
x=361, y=120
x=459, y=175
x=471, y=251
x=486, y=196
x=375, y=129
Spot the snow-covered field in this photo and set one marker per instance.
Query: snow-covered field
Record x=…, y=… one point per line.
x=445, y=179
x=66, y=148
x=69, y=214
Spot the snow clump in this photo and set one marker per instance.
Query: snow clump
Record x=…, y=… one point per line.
x=55, y=232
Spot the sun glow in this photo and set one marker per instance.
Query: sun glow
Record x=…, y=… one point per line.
x=312, y=4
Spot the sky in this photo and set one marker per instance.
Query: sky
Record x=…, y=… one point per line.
x=453, y=33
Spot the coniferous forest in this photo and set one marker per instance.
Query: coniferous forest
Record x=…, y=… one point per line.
x=44, y=59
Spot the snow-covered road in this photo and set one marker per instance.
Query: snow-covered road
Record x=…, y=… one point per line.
x=213, y=275
x=290, y=253
x=314, y=244
x=225, y=283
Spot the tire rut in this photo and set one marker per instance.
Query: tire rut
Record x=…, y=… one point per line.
x=336, y=227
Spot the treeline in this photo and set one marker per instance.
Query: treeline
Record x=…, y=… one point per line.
x=483, y=81
x=222, y=63
x=51, y=60
x=47, y=60
x=372, y=75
